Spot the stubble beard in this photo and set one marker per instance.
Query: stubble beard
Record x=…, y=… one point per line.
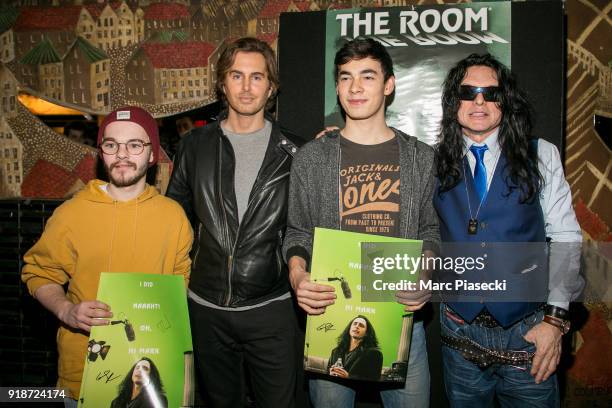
x=123, y=181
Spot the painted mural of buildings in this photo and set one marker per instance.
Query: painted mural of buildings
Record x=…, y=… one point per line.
x=116, y=24
x=170, y=72
x=8, y=16
x=11, y=169
x=165, y=17
x=366, y=3
x=7, y=46
x=87, y=72
x=266, y=23
x=298, y=6
x=197, y=23
x=41, y=68
x=57, y=24
x=8, y=92
x=267, y=19
x=11, y=150
x=216, y=23
x=396, y=3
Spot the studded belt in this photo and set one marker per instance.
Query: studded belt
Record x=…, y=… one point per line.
x=485, y=319
x=484, y=357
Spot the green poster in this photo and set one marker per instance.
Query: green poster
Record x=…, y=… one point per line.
x=144, y=357
x=367, y=340
x=424, y=41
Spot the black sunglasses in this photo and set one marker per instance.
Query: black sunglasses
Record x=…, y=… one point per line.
x=489, y=93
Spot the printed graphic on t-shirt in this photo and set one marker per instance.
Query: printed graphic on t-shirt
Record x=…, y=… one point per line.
x=370, y=188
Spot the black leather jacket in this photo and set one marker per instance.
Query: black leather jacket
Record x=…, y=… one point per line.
x=233, y=265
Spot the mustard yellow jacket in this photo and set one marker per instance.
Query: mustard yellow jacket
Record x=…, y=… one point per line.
x=92, y=233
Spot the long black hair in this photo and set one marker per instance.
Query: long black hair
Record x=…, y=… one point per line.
x=368, y=341
x=514, y=130
x=125, y=388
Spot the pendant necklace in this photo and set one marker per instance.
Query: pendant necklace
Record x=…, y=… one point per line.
x=472, y=227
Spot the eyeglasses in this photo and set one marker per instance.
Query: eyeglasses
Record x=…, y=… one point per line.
x=489, y=93
x=134, y=147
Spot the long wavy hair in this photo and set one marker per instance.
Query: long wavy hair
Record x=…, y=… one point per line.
x=368, y=341
x=514, y=131
x=228, y=56
x=125, y=388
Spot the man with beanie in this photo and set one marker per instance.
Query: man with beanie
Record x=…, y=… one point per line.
x=232, y=179
x=106, y=227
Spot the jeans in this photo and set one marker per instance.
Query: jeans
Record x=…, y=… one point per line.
x=469, y=386
x=70, y=403
x=415, y=394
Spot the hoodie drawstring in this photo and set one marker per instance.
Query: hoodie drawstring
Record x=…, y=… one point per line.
x=112, y=243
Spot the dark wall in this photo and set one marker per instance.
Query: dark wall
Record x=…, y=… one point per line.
x=28, y=352
x=301, y=59
x=538, y=61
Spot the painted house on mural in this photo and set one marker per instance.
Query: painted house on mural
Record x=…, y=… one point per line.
x=396, y=3
x=171, y=72
x=57, y=24
x=42, y=69
x=267, y=19
x=298, y=6
x=215, y=21
x=243, y=18
x=197, y=21
x=11, y=154
x=8, y=92
x=222, y=20
x=266, y=25
x=87, y=72
x=116, y=24
x=165, y=17
x=8, y=16
x=366, y=3
x=11, y=149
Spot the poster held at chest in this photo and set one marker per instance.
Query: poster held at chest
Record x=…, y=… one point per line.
x=361, y=337
x=144, y=357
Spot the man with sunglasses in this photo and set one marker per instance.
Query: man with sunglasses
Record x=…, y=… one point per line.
x=498, y=183
x=123, y=225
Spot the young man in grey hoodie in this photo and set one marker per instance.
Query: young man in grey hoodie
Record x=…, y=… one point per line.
x=349, y=179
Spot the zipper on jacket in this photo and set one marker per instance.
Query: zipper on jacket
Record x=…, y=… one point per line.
x=230, y=261
x=411, y=195
x=227, y=240
x=197, y=251
x=276, y=252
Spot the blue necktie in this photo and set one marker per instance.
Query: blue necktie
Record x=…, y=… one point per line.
x=480, y=171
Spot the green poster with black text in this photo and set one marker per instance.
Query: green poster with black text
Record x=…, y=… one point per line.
x=365, y=334
x=144, y=357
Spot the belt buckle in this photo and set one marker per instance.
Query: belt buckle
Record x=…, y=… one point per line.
x=526, y=359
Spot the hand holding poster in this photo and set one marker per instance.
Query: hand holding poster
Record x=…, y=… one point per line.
x=143, y=358
x=365, y=334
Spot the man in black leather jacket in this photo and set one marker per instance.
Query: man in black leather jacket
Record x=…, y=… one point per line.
x=232, y=179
